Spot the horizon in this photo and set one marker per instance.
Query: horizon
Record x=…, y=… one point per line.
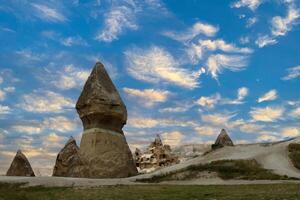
x=185, y=74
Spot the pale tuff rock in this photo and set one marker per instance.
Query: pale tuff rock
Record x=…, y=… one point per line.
x=20, y=166
x=157, y=155
x=68, y=162
x=103, y=145
x=222, y=140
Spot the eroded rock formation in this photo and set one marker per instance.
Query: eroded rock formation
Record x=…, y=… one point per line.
x=157, y=155
x=20, y=166
x=68, y=162
x=222, y=140
x=103, y=114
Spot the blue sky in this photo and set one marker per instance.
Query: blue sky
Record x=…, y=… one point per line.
x=185, y=69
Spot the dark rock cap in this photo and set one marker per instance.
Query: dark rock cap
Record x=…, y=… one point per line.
x=222, y=140
x=20, y=166
x=100, y=105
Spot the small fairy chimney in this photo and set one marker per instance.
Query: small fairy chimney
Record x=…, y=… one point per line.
x=20, y=166
x=222, y=140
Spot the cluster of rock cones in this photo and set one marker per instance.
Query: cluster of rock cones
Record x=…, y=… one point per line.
x=103, y=151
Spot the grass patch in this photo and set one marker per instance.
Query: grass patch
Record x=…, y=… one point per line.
x=225, y=169
x=154, y=192
x=294, y=154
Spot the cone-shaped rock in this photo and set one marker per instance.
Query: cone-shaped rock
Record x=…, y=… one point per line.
x=68, y=162
x=100, y=105
x=222, y=140
x=103, y=115
x=20, y=166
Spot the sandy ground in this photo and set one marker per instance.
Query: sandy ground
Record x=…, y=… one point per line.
x=272, y=156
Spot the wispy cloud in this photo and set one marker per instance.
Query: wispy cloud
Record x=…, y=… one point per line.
x=290, y=132
x=197, y=29
x=45, y=102
x=196, y=50
x=280, y=26
x=149, y=97
x=4, y=110
x=117, y=20
x=269, y=96
x=73, y=40
x=217, y=63
x=267, y=114
x=156, y=65
x=295, y=112
x=218, y=119
x=173, y=138
x=46, y=13
x=265, y=40
x=209, y=101
x=293, y=72
x=251, y=4
x=69, y=77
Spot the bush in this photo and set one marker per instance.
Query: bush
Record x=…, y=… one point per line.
x=294, y=154
x=226, y=169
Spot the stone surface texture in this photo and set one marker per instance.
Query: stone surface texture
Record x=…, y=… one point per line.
x=20, y=166
x=222, y=140
x=156, y=156
x=104, y=151
x=68, y=162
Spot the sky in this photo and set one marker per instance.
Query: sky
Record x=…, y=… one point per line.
x=185, y=70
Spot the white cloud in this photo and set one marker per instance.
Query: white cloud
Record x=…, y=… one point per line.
x=149, y=96
x=217, y=63
x=295, y=113
x=9, y=89
x=60, y=124
x=48, y=14
x=4, y=110
x=293, y=72
x=2, y=95
x=251, y=4
x=71, y=77
x=46, y=101
x=242, y=93
x=75, y=40
x=251, y=21
x=282, y=25
x=172, y=138
x=265, y=40
x=198, y=28
x=269, y=96
x=175, y=109
x=219, y=119
x=207, y=130
x=143, y=122
x=267, y=138
x=209, y=101
x=267, y=114
x=29, y=129
x=196, y=51
x=117, y=20
x=57, y=123
x=251, y=128
x=245, y=40
x=157, y=65
x=290, y=132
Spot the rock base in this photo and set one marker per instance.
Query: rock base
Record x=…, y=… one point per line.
x=106, y=154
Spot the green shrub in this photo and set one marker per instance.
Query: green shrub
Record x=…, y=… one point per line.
x=294, y=154
x=226, y=169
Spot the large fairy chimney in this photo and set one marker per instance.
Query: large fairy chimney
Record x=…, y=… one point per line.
x=103, y=114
